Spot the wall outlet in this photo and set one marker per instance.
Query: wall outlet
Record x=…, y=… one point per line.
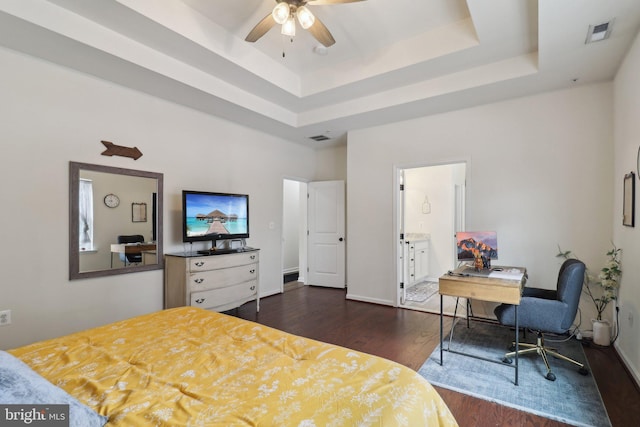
x=5, y=317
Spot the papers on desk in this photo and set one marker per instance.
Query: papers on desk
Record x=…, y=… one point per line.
x=507, y=273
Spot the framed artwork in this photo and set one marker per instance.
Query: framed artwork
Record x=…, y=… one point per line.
x=138, y=212
x=629, y=200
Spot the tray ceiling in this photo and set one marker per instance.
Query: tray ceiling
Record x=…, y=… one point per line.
x=392, y=61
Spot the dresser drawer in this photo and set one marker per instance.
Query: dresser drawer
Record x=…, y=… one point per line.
x=215, y=262
x=211, y=279
x=218, y=297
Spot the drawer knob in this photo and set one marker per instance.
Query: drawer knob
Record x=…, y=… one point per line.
x=253, y=257
x=200, y=300
x=253, y=288
x=199, y=263
x=252, y=271
x=198, y=280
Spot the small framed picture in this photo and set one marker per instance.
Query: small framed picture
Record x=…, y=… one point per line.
x=138, y=212
x=629, y=200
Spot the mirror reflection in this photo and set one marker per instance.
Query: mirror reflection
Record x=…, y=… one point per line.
x=116, y=221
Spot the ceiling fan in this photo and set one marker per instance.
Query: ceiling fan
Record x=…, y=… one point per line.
x=286, y=11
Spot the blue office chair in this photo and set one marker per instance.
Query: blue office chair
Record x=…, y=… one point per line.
x=131, y=258
x=551, y=311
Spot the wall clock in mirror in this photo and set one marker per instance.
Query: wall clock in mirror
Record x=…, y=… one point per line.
x=111, y=200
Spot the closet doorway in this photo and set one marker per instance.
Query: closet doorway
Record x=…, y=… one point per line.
x=430, y=208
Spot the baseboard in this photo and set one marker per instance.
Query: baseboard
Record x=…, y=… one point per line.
x=633, y=372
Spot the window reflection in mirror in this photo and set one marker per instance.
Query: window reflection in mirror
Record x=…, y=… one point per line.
x=115, y=220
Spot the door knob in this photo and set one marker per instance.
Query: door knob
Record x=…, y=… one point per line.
x=341, y=239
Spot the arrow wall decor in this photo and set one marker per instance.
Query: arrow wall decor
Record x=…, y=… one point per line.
x=119, y=150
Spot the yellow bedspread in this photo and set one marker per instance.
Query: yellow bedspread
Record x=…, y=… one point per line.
x=191, y=367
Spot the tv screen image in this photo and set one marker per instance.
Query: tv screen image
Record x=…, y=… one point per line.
x=214, y=216
x=471, y=242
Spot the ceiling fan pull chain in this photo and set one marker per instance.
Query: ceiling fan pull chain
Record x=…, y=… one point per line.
x=284, y=46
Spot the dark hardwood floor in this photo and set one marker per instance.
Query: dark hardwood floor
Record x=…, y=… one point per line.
x=408, y=337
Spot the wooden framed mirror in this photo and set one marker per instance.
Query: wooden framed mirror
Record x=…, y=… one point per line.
x=104, y=238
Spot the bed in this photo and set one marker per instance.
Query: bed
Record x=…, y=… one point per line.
x=191, y=367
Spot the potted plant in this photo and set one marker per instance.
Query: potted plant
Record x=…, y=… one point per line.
x=607, y=285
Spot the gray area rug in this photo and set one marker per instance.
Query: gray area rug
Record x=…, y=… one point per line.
x=421, y=291
x=572, y=398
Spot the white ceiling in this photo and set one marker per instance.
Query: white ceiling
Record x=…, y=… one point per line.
x=393, y=60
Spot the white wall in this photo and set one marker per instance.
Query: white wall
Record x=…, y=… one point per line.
x=331, y=163
x=540, y=173
x=627, y=143
x=49, y=116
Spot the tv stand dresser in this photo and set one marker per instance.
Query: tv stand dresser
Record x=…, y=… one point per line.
x=216, y=282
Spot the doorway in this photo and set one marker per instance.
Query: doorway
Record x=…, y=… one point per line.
x=313, y=231
x=430, y=209
x=294, y=236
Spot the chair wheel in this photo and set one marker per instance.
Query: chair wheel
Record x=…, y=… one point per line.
x=507, y=360
x=583, y=371
x=551, y=376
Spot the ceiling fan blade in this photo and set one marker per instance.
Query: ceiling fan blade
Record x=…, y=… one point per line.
x=321, y=33
x=319, y=2
x=261, y=29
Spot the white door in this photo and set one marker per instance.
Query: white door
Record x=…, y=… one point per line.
x=326, y=221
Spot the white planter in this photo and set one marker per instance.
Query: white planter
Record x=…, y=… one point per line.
x=601, y=332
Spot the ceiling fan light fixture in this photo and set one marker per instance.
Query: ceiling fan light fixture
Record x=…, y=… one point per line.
x=305, y=17
x=289, y=27
x=281, y=13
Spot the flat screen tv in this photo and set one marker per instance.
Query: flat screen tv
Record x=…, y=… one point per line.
x=214, y=216
x=471, y=242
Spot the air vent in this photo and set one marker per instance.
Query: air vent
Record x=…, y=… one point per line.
x=319, y=138
x=599, y=32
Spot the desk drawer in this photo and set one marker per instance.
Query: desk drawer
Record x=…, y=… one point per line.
x=217, y=297
x=222, y=278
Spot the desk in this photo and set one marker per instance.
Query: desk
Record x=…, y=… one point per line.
x=131, y=248
x=149, y=257
x=501, y=290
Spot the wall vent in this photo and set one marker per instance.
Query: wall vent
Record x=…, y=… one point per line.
x=319, y=138
x=599, y=32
